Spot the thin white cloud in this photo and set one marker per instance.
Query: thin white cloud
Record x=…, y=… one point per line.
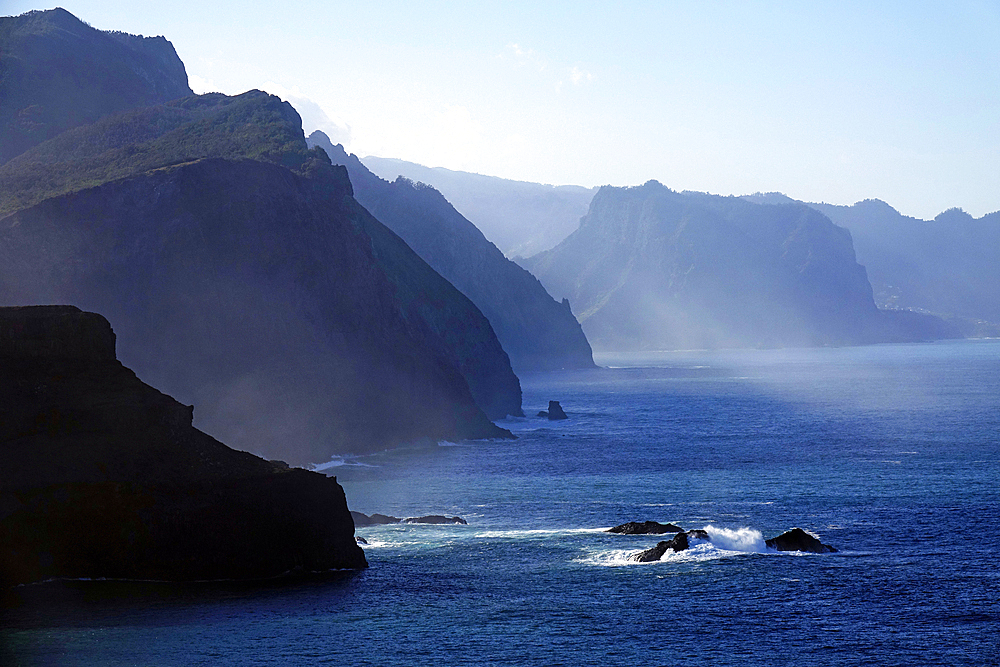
x=579, y=76
x=523, y=56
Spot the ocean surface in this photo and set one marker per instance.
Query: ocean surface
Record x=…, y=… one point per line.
x=889, y=453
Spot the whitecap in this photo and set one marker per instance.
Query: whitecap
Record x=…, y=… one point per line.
x=746, y=540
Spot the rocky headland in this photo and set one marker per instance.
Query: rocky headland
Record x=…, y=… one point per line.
x=102, y=476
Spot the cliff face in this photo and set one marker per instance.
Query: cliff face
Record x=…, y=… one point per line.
x=217, y=236
x=947, y=265
x=259, y=295
x=537, y=332
x=655, y=269
x=103, y=476
x=56, y=73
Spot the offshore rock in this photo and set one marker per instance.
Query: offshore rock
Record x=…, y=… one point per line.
x=645, y=528
x=102, y=476
x=363, y=520
x=555, y=411
x=680, y=542
x=797, y=539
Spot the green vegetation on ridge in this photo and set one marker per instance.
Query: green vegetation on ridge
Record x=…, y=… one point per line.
x=253, y=125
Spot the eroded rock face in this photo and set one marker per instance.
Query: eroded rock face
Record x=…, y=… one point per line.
x=797, y=539
x=103, y=476
x=57, y=70
x=645, y=528
x=272, y=301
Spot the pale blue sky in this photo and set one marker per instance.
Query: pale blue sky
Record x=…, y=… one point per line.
x=824, y=101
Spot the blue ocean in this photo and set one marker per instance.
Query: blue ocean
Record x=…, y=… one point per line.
x=889, y=453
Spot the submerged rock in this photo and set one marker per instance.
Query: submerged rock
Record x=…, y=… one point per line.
x=797, y=539
x=645, y=528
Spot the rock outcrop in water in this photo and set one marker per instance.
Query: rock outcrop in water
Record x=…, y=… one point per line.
x=363, y=520
x=680, y=542
x=645, y=528
x=792, y=540
x=538, y=332
x=797, y=539
x=554, y=413
x=102, y=476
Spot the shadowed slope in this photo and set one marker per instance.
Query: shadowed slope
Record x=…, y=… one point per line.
x=537, y=332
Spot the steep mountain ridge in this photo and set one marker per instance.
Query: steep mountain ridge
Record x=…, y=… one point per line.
x=240, y=288
x=56, y=73
x=537, y=332
x=222, y=240
x=946, y=266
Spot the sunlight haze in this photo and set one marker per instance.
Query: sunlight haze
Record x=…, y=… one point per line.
x=826, y=102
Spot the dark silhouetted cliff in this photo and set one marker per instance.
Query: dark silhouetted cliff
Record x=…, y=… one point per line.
x=537, y=332
x=56, y=72
x=652, y=268
x=102, y=476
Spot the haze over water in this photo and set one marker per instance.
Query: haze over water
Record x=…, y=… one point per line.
x=888, y=453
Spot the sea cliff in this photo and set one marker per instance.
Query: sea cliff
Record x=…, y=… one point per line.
x=103, y=476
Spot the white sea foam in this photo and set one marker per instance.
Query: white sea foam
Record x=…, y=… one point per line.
x=535, y=533
x=746, y=540
x=338, y=461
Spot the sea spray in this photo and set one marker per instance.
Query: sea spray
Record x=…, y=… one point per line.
x=741, y=539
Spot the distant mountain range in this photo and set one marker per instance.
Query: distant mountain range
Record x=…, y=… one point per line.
x=521, y=218
x=650, y=268
x=947, y=266
x=537, y=332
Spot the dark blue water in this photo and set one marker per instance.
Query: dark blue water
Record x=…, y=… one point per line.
x=889, y=453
